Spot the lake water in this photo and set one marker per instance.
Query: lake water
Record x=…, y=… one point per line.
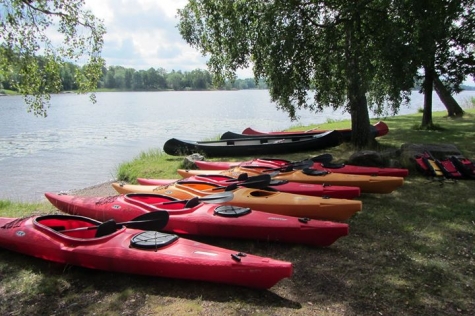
x=81, y=144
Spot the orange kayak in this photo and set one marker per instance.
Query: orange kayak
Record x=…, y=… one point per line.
x=267, y=201
x=366, y=183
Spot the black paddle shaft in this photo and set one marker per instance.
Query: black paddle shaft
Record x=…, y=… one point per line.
x=149, y=221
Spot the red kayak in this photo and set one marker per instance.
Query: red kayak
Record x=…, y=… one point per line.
x=194, y=218
x=72, y=240
x=333, y=191
x=317, y=165
x=289, y=204
x=378, y=129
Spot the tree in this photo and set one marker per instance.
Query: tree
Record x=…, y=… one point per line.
x=200, y=80
x=444, y=34
x=110, y=81
x=28, y=50
x=67, y=76
x=175, y=80
x=445, y=95
x=129, y=74
x=137, y=81
x=352, y=52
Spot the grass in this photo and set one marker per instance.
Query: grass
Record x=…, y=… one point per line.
x=8, y=92
x=410, y=252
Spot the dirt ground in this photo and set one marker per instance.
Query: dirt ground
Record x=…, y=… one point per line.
x=103, y=189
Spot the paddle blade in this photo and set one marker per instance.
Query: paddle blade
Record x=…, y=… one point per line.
x=217, y=198
x=155, y=221
x=243, y=177
x=231, y=187
x=308, y=163
x=322, y=158
x=257, y=182
x=106, y=228
x=212, y=198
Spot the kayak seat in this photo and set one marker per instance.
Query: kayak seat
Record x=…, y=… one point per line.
x=106, y=228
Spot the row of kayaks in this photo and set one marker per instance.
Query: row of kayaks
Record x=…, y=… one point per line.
x=141, y=230
x=253, y=143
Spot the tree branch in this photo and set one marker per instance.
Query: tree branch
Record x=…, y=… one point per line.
x=55, y=13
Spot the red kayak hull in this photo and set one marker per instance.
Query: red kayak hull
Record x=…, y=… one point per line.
x=276, y=163
x=201, y=219
x=333, y=191
x=275, y=202
x=118, y=252
x=379, y=129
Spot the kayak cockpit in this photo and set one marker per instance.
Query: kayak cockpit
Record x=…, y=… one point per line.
x=156, y=202
x=75, y=227
x=262, y=193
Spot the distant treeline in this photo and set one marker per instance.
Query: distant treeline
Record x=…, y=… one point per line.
x=129, y=79
x=462, y=87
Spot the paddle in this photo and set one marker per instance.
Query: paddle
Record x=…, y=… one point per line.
x=320, y=158
x=212, y=198
x=150, y=221
x=325, y=158
x=304, y=164
x=307, y=163
x=256, y=182
x=286, y=164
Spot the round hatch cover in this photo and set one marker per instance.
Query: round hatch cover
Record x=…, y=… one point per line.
x=231, y=211
x=152, y=240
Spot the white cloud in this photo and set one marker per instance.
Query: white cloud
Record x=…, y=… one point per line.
x=143, y=34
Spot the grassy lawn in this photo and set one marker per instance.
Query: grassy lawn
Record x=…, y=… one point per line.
x=410, y=252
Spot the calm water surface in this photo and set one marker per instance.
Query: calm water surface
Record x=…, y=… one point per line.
x=81, y=144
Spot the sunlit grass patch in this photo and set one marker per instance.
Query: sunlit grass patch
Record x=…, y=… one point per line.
x=11, y=209
x=173, y=306
x=151, y=162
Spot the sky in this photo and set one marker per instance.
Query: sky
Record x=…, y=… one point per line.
x=143, y=34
